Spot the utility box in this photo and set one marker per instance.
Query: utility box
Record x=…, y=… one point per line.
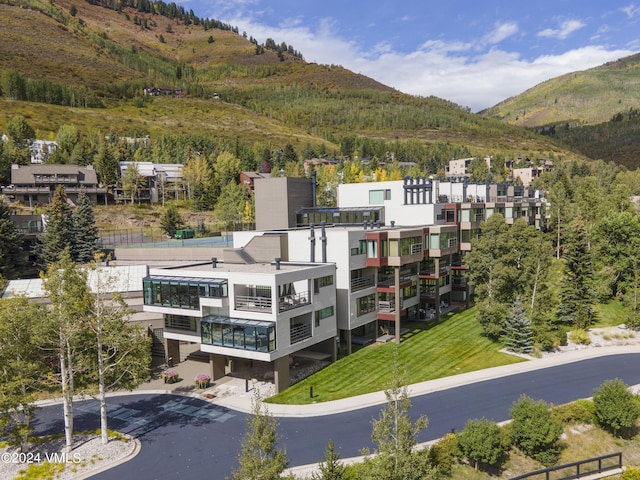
x=185, y=233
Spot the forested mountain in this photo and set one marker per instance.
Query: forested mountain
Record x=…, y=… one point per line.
x=594, y=111
x=87, y=63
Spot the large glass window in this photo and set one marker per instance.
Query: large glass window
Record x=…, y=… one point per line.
x=366, y=304
x=238, y=333
x=180, y=322
x=179, y=292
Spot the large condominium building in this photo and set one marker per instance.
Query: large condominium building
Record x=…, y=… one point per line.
x=389, y=253
x=398, y=246
x=247, y=309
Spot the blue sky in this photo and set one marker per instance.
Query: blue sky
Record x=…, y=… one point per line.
x=473, y=52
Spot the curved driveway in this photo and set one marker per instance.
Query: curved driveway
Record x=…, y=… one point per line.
x=184, y=437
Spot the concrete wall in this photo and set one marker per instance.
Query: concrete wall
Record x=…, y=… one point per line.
x=167, y=253
x=278, y=198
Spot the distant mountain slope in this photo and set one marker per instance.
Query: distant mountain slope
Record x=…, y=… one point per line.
x=229, y=87
x=586, y=97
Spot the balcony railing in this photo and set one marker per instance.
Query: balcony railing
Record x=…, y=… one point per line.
x=361, y=283
x=300, y=332
x=289, y=302
x=386, y=306
x=253, y=304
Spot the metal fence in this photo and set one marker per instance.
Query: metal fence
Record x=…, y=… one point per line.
x=580, y=469
x=131, y=238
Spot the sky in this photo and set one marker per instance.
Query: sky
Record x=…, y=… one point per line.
x=475, y=53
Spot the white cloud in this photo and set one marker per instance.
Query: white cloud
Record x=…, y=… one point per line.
x=501, y=32
x=566, y=28
x=631, y=10
x=455, y=71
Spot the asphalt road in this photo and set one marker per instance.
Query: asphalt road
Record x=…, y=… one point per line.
x=187, y=438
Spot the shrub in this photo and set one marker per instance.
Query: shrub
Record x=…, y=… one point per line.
x=579, y=336
x=481, y=443
x=631, y=473
x=616, y=409
x=534, y=431
x=580, y=411
x=443, y=454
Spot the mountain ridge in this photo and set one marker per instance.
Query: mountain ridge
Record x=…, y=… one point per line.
x=230, y=89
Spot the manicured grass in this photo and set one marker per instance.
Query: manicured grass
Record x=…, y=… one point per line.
x=427, y=352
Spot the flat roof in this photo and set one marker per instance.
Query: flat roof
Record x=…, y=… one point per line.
x=115, y=278
x=222, y=267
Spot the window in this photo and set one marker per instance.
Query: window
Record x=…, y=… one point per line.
x=376, y=197
x=180, y=322
x=322, y=314
x=179, y=292
x=238, y=333
x=372, y=249
x=366, y=304
x=325, y=281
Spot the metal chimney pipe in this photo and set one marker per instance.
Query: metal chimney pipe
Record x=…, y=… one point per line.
x=277, y=263
x=214, y=262
x=323, y=239
x=312, y=239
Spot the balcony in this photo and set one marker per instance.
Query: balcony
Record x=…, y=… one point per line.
x=459, y=282
x=253, y=304
x=361, y=283
x=388, y=306
x=299, y=332
x=289, y=302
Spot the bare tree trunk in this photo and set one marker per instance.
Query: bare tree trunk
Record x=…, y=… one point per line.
x=67, y=400
x=102, y=396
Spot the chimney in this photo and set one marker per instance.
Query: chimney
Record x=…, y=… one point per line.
x=323, y=239
x=312, y=239
x=214, y=262
x=365, y=224
x=277, y=263
x=393, y=223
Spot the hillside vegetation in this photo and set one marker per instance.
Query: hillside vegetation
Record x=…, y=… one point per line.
x=587, y=97
x=230, y=86
x=594, y=111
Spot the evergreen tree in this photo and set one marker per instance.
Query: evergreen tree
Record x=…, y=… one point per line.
x=11, y=255
x=86, y=231
x=106, y=165
x=59, y=230
x=395, y=435
x=331, y=468
x=517, y=334
x=260, y=458
x=576, y=294
x=171, y=220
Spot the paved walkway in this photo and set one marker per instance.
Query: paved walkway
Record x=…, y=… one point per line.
x=232, y=392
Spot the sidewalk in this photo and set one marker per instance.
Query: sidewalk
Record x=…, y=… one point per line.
x=232, y=392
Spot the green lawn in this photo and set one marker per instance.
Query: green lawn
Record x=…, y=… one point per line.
x=427, y=352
